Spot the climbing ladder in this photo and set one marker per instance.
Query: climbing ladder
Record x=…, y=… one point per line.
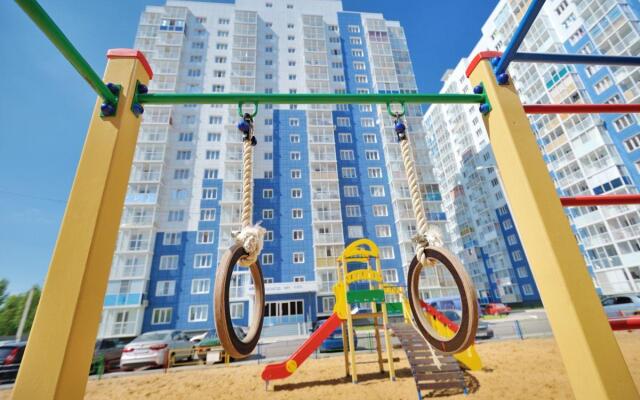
x=430, y=378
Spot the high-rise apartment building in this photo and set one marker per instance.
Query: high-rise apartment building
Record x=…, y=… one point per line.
x=325, y=175
x=586, y=154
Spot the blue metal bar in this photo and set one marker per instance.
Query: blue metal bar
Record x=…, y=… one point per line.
x=518, y=36
x=594, y=59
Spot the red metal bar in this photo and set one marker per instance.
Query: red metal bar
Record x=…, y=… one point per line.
x=601, y=200
x=623, y=324
x=581, y=108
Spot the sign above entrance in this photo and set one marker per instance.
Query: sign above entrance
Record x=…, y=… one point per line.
x=287, y=287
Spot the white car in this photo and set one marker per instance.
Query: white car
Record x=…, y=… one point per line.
x=157, y=348
x=621, y=305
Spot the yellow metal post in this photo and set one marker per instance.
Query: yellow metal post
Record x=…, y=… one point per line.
x=350, y=331
x=61, y=343
x=385, y=325
x=588, y=348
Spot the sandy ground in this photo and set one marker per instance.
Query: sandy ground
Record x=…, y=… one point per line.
x=529, y=369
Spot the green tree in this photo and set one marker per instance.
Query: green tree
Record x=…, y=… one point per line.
x=11, y=312
x=3, y=290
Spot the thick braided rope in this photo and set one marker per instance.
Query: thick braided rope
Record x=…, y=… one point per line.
x=247, y=183
x=251, y=236
x=416, y=200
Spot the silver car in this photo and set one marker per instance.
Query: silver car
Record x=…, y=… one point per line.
x=621, y=305
x=157, y=348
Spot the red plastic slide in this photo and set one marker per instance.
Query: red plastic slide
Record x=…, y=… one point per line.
x=286, y=368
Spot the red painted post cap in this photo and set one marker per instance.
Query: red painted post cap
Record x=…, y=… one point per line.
x=483, y=55
x=131, y=53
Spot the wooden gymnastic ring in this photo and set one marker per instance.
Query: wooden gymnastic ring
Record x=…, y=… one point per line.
x=468, y=297
x=232, y=344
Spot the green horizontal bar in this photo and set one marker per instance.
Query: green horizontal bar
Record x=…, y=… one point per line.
x=365, y=296
x=40, y=17
x=394, y=308
x=309, y=98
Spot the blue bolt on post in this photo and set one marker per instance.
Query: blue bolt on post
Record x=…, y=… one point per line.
x=518, y=37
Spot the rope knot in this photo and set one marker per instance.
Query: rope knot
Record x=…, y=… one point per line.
x=432, y=237
x=251, y=238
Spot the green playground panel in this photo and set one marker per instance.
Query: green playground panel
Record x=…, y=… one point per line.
x=394, y=308
x=365, y=296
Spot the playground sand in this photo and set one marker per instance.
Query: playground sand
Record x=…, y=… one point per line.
x=529, y=369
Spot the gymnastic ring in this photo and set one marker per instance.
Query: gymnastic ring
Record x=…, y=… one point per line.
x=232, y=344
x=466, y=333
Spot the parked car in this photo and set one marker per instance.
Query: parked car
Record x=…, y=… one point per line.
x=621, y=305
x=157, y=348
x=10, y=359
x=111, y=351
x=209, y=342
x=483, y=332
x=497, y=309
x=334, y=342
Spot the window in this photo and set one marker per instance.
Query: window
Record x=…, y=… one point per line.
x=221, y=46
x=269, y=49
x=292, y=63
x=353, y=28
x=214, y=137
x=178, y=194
x=386, y=253
x=161, y=316
x=268, y=155
x=171, y=238
x=370, y=137
x=185, y=137
x=219, y=73
x=268, y=62
x=223, y=21
x=212, y=155
x=236, y=310
x=175, y=216
x=298, y=279
x=165, y=288
x=202, y=260
x=198, y=313
x=209, y=193
x=517, y=255
x=349, y=172
x=347, y=155
x=374, y=172
x=353, y=211
x=296, y=213
x=215, y=120
x=328, y=303
x=345, y=138
x=633, y=143
x=623, y=122
x=296, y=174
x=507, y=224
x=223, y=33
x=357, y=53
x=296, y=193
x=268, y=236
x=168, y=262
x=295, y=155
x=294, y=138
x=355, y=231
x=195, y=59
x=527, y=289
x=208, y=214
x=343, y=121
x=376, y=190
x=359, y=66
x=294, y=122
x=338, y=78
x=289, y=6
x=298, y=257
x=267, y=259
x=220, y=60
x=197, y=45
x=181, y=173
x=291, y=50
x=290, y=26
x=603, y=84
x=200, y=286
x=367, y=122
x=383, y=231
x=355, y=40
x=390, y=275
x=204, y=237
x=268, y=5
x=361, y=79
x=267, y=214
x=298, y=234
x=522, y=272
x=350, y=191
x=268, y=174
x=380, y=210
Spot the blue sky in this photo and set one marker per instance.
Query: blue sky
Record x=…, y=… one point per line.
x=45, y=106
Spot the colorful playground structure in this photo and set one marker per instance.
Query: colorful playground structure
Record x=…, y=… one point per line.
x=358, y=263
x=60, y=346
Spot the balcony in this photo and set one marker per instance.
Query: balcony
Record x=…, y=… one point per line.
x=327, y=215
x=327, y=238
x=141, y=198
x=626, y=233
